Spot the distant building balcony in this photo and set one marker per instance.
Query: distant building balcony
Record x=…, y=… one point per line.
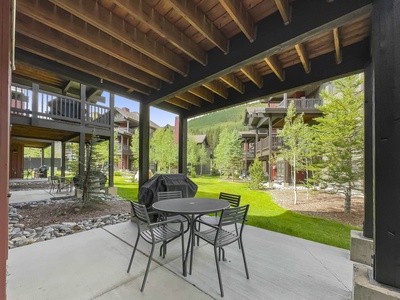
x=263, y=146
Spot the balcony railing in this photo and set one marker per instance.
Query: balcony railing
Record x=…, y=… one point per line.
x=263, y=146
x=301, y=103
x=33, y=103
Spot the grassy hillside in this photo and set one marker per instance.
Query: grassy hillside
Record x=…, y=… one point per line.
x=213, y=123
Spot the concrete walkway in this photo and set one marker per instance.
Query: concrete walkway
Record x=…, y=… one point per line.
x=37, y=195
x=92, y=265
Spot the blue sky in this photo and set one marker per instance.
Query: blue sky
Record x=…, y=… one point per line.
x=158, y=116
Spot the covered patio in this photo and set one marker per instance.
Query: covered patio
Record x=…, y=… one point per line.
x=92, y=265
x=193, y=57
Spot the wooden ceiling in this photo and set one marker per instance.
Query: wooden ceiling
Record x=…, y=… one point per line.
x=189, y=56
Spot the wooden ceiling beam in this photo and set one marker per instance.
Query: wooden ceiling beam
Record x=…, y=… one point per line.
x=180, y=103
x=190, y=98
x=78, y=29
x=191, y=13
x=276, y=66
x=284, y=10
x=253, y=75
x=233, y=82
x=239, y=14
x=159, y=24
x=203, y=93
x=217, y=88
x=48, y=36
x=303, y=54
x=338, y=50
x=101, y=18
x=31, y=45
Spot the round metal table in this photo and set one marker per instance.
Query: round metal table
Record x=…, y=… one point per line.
x=193, y=208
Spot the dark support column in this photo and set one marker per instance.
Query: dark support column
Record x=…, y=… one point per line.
x=35, y=104
x=52, y=164
x=81, y=153
x=5, y=82
x=182, y=146
x=386, y=113
x=63, y=159
x=144, y=144
x=82, y=136
x=111, y=143
x=368, y=228
x=270, y=147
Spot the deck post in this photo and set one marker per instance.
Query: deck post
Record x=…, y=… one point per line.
x=182, y=146
x=144, y=143
x=385, y=44
x=5, y=82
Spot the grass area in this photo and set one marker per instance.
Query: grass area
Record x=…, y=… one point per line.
x=264, y=212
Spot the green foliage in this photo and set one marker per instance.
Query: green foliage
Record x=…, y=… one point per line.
x=135, y=149
x=163, y=150
x=196, y=155
x=257, y=175
x=340, y=137
x=296, y=139
x=229, y=153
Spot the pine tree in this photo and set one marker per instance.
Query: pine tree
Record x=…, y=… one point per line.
x=340, y=137
x=256, y=174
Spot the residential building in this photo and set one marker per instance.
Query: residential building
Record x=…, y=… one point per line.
x=125, y=124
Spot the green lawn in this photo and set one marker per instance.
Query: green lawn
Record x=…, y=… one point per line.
x=263, y=213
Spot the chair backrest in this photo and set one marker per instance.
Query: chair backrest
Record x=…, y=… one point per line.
x=234, y=200
x=169, y=195
x=234, y=215
x=140, y=212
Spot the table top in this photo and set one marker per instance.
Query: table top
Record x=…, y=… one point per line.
x=191, y=205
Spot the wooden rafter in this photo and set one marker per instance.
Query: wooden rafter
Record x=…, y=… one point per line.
x=46, y=35
x=180, y=103
x=275, y=65
x=303, y=54
x=253, y=75
x=217, y=88
x=190, y=98
x=201, y=22
x=283, y=7
x=99, y=17
x=203, y=93
x=88, y=34
x=49, y=52
x=146, y=14
x=338, y=50
x=234, y=82
x=239, y=14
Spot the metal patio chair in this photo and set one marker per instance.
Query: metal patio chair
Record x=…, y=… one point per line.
x=219, y=236
x=171, y=217
x=234, y=201
x=158, y=232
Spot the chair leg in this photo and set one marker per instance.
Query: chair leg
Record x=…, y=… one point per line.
x=244, y=258
x=183, y=255
x=147, y=268
x=237, y=233
x=133, y=253
x=218, y=272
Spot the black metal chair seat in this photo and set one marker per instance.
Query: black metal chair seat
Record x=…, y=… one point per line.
x=158, y=232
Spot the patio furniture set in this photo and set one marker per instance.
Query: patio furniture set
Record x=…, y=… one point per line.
x=177, y=215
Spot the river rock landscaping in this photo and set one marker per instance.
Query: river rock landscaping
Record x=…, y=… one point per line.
x=32, y=222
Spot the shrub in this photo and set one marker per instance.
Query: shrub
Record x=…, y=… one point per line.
x=256, y=175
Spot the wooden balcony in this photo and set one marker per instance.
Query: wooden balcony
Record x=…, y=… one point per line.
x=44, y=115
x=263, y=117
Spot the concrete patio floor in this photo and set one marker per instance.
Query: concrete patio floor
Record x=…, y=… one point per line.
x=92, y=265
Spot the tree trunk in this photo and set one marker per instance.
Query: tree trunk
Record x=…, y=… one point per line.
x=294, y=179
x=347, y=201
